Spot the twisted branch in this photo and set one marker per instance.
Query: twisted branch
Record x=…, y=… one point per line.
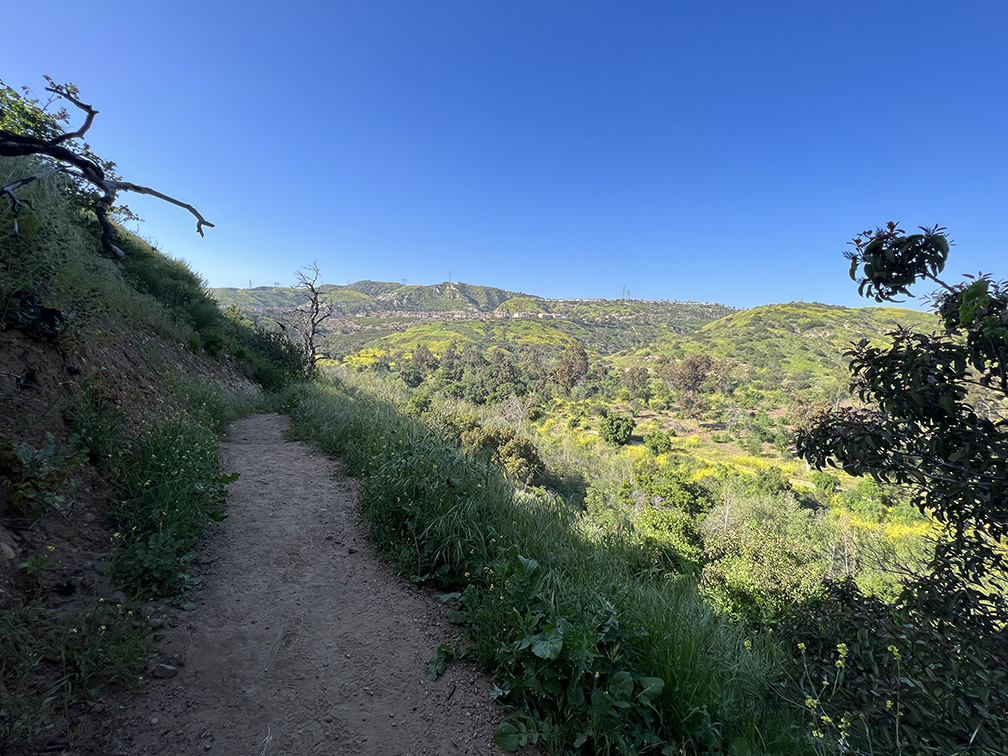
x=81, y=166
x=17, y=202
x=91, y=113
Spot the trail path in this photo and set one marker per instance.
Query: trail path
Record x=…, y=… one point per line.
x=302, y=640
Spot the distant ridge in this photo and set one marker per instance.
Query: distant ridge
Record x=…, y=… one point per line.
x=800, y=342
x=387, y=315
x=383, y=297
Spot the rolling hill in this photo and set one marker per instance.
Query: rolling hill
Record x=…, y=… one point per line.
x=368, y=313
x=801, y=342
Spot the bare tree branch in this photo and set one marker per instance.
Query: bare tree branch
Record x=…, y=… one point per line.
x=83, y=166
x=91, y=113
x=126, y=186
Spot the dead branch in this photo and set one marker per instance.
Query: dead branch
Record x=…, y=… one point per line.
x=17, y=202
x=91, y=113
x=126, y=186
x=82, y=166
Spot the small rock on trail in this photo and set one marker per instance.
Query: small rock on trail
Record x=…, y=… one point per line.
x=303, y=641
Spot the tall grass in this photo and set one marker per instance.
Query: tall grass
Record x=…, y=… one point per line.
x=590, y=652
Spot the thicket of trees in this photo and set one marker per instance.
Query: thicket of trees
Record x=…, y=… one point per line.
x=932, y=419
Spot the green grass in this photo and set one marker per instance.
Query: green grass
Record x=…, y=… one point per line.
x=53, y=665
x=586, y=648
x=166, y=479
x=169, y=487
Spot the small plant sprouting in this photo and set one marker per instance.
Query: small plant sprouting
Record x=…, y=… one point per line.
x=38, y=479
x=35, y=567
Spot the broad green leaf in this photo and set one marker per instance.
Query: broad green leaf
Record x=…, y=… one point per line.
x=621, y=686
x=508, y=737
x=439, y=663
x=652, y=687
x=547, y=645
x=739, y=747
x=530, y=565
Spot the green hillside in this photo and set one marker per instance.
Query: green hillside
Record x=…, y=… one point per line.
x=520, y=304
x=266, y=298
x=798, y=342
x=510, y=336
x=375, y=297
x=811, y=321
x=678, y=316
x=259, y=298
x=368, y=313
x=373, y=288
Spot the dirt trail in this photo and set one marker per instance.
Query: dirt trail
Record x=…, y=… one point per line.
x=302, y=640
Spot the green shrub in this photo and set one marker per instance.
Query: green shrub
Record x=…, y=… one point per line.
x=658, y=442
x=772, y=481
x=668, y=486
x=764, y=554
x=275, y=360
x=825, y=482
x=869, y=500
x=417, y=404
x=674, y=534
x=517, y=456
x=615, y=429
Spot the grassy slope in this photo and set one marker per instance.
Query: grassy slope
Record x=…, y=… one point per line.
x=786, y=332
x=585, y=648
x=799, y=342
x=119, y=399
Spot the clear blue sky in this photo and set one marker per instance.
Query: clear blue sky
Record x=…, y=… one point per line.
x=706, y=150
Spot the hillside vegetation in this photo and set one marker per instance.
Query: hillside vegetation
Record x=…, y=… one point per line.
x=606, y=491
x=367, y=311
x=671, y=452
x=796, y=341
x=376, y=297
x=115, y=380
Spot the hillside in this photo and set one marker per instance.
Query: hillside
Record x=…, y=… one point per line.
x=798, y=342
x=368, y=313
x=375, y=297
x=116, y=378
